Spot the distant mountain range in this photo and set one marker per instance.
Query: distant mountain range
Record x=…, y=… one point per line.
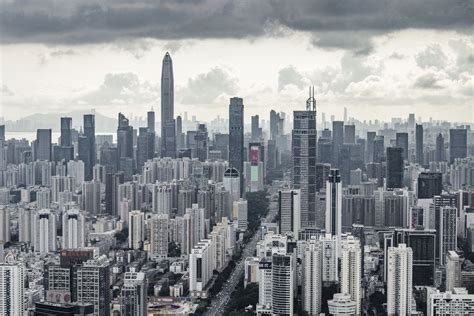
x=30, y=123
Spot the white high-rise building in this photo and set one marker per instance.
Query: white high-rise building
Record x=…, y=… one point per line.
x=44, y=231
x=159, y=225
x=330, y=263
x=312, y=278
x=457, y=302
x=60, y=184
x=334, y=206
x=4, y=225
x=342, y=305
x=75, y=169
x=12, y=278
x=240, y=214
x=399, y=280
x=74, y=230
x=197, y=229
x=351, y=270
x=133, y=298
x=453, y=271
x=232, y=183
x=136, y=229
x=25, y=225
x=161, y=199
x=43, y=198
x=201, y=266
x=289, y=209
x=283, y=284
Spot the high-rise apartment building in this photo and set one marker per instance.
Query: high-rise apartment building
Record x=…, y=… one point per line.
x=74, y=232
x=351, y=271
x=399, y=280
x=136, y=229
x=12, y=278
x=334, y=206
x=133, y=298
x=312, y=277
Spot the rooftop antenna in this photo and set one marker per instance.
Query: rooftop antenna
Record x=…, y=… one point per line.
x=311, y=101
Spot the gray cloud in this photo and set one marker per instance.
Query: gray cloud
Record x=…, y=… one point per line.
x=206, y=87
x=121, y=88
x=428, y=81
x=432, y=56
x=6, y=92
x=88, y=21
x=289, y=75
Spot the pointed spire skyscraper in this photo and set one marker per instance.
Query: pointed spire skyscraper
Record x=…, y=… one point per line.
x=168, y=129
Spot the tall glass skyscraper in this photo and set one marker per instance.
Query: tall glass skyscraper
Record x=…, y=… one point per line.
x=89, y=133
x=457, y=144
x=236, y=136
x=304, y=152
x=168, y=129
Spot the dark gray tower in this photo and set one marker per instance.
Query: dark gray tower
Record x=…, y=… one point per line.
x=304, y=152
x=402, y=142
x=440, y=154
x=150, y=116
x=394, y=167
x=457, y=144
x=89, y=133
x=419, y=144
x=337, y=140
x=66, y=125
x=43, y=146
x=168, y=128
x=236, y=136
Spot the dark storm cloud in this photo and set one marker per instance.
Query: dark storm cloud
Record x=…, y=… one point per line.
x=85, y=21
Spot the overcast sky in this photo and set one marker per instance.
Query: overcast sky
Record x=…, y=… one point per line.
x=379, y=58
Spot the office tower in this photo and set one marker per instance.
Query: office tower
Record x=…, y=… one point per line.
x=201, y=141
x=399, y=280
x=256, y=130
x=440, y=153
x=4, y=225
x=457, y=302
x=254, y=168
x=91, y=194
x=93, y=285
x=312, y=278
x=112, y=182
x=44, y=231
x=159, y=227
x=304, y=152
x=66, y=126
x=168, y=127
x=370, y=146
x=236, y=137
x=322, y=174
x=240, y=210
x=232, y=183
x=447, y=231
x=330, y=258
x=124, y=138
x=150, y=116
x=200, y=267
x=43, y=147
x=394, y=167
x=251, y=270
x=453, y=270
x=351, y=270
x=142, y=147
x=283, y=280
x=429, y=184
x=180, y=143
x=341, y=304
x=89, y=156
x=457, y=144
x=337, y=140
x=349, y=134
x=289, y=211
x=221, y=143
x=274, y=125
x=334, y=205
x=440, y=201
x=2, y=133
x=411, y=120
x=12, y=279
x=402, y=142
x=133, y=298
x=136, y=229
x=74, y=231
x=419, y=144
x=378, y=149
x=109, y=158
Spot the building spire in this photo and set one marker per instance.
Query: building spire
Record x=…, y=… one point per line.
x=311, y=101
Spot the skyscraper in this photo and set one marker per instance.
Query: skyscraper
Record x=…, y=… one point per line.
x=89, y=133
x=334, y=205
x=124, y=137
x=201, y=141
x=457, y=144
x=275, y=129
x=304, y=152
x=429, y=184
x=136, y=230
x=289, y=211
x=12, y=278
x=351, y=271
x=337, y=140
x=256, y=130
x=133, y=298
x=399, y=283
x=283, y=280
x=402, y=142
x=64, y=150
x=74, y=232
x=370, y=146
x=44, y=231
x=93, y=284
x=236, y=137
x=394, y=167
x=447, y=232
x=168, y=128
x=349, y=134
x=43, y=149
x=312, y=277
x=419, y=144
x=150, y=116
x=151, y=133
x=440, y=153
